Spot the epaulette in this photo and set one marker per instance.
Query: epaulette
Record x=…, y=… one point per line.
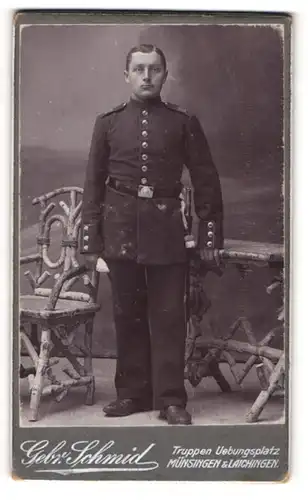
x=174, y=107
x=116, y=109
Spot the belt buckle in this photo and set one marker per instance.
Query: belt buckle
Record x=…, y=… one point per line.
x=145, y=191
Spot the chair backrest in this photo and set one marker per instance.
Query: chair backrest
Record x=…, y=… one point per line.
x=58, y=250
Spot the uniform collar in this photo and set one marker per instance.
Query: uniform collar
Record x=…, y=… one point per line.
x=149, y=103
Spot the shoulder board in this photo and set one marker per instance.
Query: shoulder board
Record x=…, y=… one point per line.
x=174, y=107
x=115, y=110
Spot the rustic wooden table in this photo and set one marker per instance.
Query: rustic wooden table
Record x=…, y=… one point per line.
x=203, y=354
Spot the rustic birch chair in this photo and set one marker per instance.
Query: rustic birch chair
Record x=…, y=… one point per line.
x=50, y=316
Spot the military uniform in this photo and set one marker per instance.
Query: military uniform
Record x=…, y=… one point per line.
x=132, y=218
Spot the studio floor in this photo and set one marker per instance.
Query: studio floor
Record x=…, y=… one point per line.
x=207, y=404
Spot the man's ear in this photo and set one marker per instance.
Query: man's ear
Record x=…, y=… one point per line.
x=126, y=76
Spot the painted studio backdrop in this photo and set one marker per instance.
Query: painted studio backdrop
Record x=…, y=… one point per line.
x=230, y=76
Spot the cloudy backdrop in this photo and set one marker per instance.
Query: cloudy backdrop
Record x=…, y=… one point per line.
x=230, y=76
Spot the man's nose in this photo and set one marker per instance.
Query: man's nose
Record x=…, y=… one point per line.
x=146, y=74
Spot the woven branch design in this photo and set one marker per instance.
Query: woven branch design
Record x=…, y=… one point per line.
x=204, y=354
x=68, y=221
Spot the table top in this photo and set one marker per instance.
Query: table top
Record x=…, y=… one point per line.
x=252, y=250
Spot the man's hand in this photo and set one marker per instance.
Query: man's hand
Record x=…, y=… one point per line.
x=211, y=258
x=101, y=266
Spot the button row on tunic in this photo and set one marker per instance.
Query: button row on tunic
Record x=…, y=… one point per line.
x=144, y=145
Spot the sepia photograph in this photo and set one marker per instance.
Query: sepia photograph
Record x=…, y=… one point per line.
x=151, y=206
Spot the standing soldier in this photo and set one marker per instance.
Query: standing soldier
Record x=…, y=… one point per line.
x=132, y=219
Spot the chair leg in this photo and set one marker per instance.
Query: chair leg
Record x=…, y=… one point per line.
x=215, y=371
x=36, y=390
x=89, y=397
x=262, y=399
x=90, y=392
x=35, y=337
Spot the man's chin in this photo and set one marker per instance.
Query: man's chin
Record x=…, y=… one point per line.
x=147, y=94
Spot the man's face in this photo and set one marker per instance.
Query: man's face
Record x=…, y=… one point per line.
x=146, y=75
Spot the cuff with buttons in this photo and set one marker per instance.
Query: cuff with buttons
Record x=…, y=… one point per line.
x=210, y=236
x=85, y=238
x=90, y=241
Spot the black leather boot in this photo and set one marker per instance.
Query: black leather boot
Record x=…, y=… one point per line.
x=175, y=415
x=124, y=407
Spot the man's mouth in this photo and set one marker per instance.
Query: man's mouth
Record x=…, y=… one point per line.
x=147, y=87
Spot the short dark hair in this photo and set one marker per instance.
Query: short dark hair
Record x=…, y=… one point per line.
x=146, y=49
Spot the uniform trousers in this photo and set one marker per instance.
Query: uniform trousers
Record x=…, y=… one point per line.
x=149, y=315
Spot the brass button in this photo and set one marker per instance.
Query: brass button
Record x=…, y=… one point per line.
x=144, y=180
x=85, y=228
x=86, y=247
x=144, y=145
x=144, y=157
x=209, y=244
x=210, y=234
x=144, y=112
x=144, y=133
x=86, y=238
x=144, y=122
x=144, y=168
x=210, y=225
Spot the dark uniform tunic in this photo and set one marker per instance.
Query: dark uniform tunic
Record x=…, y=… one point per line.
x=132, y=218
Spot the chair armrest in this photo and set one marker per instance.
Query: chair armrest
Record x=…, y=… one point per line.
x=71, y=273
x=27, y=259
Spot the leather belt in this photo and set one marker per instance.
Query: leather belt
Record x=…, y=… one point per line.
x=145, y=191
